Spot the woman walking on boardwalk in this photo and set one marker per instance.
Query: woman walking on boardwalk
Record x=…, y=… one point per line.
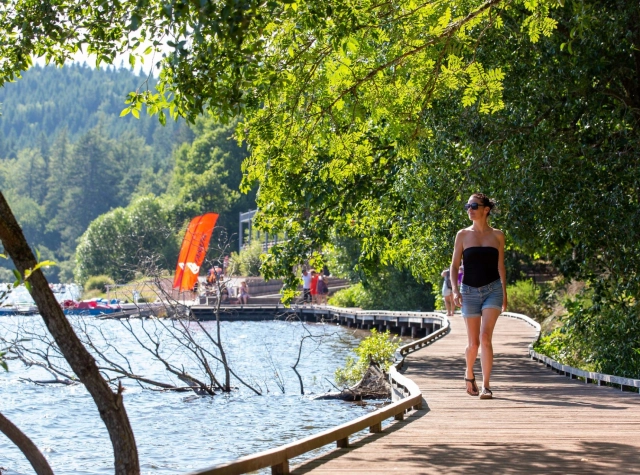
x=483, y=291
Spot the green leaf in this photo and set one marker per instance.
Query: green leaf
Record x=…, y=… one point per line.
x=47, y=263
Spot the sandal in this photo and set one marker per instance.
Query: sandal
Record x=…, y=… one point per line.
x=486, y=393
x=474, y=386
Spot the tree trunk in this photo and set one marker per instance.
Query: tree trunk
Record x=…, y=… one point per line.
x=110, y=405
x=26, y=446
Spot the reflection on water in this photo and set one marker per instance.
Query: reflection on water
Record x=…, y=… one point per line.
x=179, y=432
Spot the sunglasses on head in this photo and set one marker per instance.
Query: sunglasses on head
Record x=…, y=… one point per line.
x=472, y=206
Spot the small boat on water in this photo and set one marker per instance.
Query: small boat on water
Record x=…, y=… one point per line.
x=91, y=307
x=18, y=310
x=17, y=301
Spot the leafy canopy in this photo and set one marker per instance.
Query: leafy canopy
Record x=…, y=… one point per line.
x=212, y=53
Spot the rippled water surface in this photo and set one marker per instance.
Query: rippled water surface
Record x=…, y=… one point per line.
x=178, y=432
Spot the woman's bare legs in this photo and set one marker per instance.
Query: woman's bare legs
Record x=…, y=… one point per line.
x=448, y=303
x=489, y=319
x=473, y=343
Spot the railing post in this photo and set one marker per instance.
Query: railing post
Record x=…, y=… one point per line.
x=342, y=443
x=375, y=428
x=281, y=468
x=399, y=417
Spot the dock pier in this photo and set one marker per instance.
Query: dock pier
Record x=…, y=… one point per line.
x=414, y=324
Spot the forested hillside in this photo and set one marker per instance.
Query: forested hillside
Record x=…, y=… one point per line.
x=46, y=101
x=67, y=158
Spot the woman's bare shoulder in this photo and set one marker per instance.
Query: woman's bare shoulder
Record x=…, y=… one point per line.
x=499, y=234
x=465, y=231
x=460, y=235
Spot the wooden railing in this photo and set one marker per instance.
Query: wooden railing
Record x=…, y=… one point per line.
x=405, y=396
x=570, y=371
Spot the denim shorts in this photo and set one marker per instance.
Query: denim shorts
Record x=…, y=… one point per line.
x=476, y=299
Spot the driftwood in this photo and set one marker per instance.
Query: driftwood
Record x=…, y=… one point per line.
x=373, y=385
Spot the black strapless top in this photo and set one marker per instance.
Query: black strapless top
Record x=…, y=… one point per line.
x=480, y=266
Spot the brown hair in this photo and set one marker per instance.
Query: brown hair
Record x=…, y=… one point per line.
x=488, y=202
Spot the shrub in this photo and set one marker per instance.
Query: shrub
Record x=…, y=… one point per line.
x=378, y=348
x=98, y=282
x=557, y=345
x=233, y=268
x=248, y=262
x=92, y=294
x=353, y=296
x=391, y=289
x=527, y=298
x=601, y=330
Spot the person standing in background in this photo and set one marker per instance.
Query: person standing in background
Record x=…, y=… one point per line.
x=323, y=290
x=306, y=287
x=314, y=286
x=447, y=296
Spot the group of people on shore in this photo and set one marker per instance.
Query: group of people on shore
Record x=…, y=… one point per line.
x=215, y=276
x=315, y=287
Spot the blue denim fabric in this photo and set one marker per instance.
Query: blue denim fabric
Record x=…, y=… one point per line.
x=476, y=299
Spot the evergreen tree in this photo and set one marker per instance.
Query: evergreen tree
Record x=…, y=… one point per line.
x=76, y=98
x=56, y=187
x=91, y=187
x=28, y=174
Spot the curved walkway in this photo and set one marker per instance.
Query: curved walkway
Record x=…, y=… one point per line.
x=538, y=421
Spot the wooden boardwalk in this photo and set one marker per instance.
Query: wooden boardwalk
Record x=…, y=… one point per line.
x=538, y=421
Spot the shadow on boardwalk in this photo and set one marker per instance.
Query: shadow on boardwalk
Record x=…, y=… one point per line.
x=498, y=459
x=538, y=422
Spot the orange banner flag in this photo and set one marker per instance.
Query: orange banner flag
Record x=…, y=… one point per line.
x=194, y=248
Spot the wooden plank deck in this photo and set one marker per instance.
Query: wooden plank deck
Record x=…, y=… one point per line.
x=538, y=421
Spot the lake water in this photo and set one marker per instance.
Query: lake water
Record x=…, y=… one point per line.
x=180, y=432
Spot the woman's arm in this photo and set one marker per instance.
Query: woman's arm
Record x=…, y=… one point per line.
x=501, y=269
x=455, y=267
